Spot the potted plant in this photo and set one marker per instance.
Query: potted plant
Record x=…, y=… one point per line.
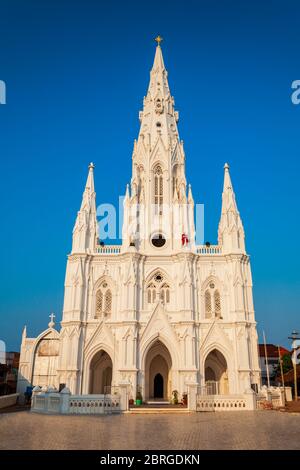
x=184, y=399
x=175, y=397
x=139, y=398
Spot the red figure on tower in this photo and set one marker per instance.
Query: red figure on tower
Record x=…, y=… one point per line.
x=184, y=239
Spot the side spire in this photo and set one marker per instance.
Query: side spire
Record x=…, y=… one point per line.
x=231, y=231
x=85, y=230
x=24, y=333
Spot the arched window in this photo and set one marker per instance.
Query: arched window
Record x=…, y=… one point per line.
x=158, y=189
x=158, y=289
x=207, y=304
x=103, y=300
x=212, y=300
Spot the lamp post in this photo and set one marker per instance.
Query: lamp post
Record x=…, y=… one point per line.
x=295, y=344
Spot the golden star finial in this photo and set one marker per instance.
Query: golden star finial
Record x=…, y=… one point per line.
x=158, y=39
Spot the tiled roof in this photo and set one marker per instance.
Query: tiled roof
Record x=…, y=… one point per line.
x=272, y=350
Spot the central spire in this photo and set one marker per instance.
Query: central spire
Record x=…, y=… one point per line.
x=158, y=59
x=158, y=168
x=158, y=118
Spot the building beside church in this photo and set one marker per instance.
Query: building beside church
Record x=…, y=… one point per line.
x=158, y=311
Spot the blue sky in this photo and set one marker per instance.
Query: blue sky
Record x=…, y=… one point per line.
x=76, y=73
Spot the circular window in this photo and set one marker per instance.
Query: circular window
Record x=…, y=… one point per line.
x=158, y=240
x=158, y=278
x=211, y=285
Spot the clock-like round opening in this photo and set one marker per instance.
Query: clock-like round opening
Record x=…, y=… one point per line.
x=158, y=240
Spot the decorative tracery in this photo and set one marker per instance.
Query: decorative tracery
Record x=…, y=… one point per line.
x=158, y=188
x=212, y=302
x=207, y=304
x=217, y=301
x=103, y=300
x=158, y=288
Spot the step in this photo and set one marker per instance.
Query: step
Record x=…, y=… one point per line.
x=157, y=402
x=153, y=410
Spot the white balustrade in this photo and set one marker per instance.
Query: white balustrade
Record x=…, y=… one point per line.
x=65, y=403
x=222, y=403
x=209, y=250
x=108, y=249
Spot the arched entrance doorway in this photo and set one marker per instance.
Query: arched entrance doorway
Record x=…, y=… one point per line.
x=158, y=386
x=158, y=365
x=216, y=373
x=100, y=373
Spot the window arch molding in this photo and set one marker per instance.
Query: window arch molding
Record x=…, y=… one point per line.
x=212, y=299
x=103, y=298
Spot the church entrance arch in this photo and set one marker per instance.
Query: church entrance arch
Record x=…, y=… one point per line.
x=100, y=373
x=216, y=373
x=158, y=386
x=158, y=372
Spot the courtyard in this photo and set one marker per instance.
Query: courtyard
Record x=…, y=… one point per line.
x=202, y=431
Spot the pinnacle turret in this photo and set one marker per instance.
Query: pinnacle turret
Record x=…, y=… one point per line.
x=231, y=232
x=86, y=229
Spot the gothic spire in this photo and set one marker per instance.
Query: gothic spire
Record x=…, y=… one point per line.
x=85, y=229
x=24, y=333
x=231, y=232
x=158, y=118
x=158, y=162
x=158, y=59
x=88, y=198
x=190, y=195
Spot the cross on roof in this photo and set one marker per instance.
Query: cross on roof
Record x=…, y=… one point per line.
x=51, y=323
x=158, y=39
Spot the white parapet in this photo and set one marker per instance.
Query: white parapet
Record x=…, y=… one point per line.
x=65, y=403
x=239, y=402
x=8, y=400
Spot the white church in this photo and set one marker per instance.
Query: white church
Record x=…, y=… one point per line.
x=157, y=312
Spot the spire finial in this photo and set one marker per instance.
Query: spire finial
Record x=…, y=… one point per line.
x=51, y=323
x=226, y=166
x=91, y=166
x=158, y=39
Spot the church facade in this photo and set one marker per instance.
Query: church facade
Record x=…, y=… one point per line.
x=157, y=312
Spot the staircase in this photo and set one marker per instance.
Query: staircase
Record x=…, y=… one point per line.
x=155, y=406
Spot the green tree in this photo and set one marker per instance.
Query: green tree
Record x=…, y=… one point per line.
x=286, y=363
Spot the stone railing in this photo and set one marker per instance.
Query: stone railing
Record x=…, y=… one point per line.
x=223, y=403
x=50, y=401
x=199, y=400
x=94, y=404
x=108, y=249
x=200, y=250
x=209, y=250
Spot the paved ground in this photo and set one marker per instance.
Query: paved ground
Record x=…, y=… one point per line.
x=228, y=430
